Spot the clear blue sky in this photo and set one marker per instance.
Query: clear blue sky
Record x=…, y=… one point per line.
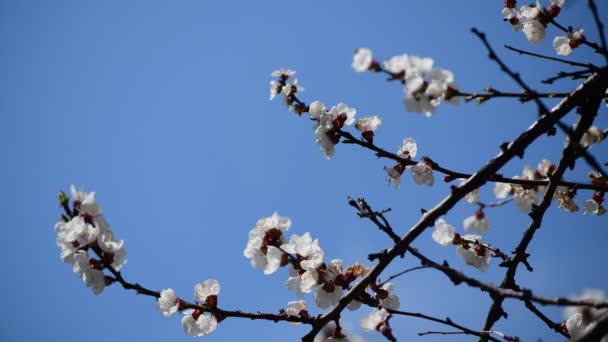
x=161, y=107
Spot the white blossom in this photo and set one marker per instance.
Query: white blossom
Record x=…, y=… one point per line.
x=444, y=233
x=264, y=237
x=209, y=287
x=593, y=207
x=362, y=59
x=283, y=72
x=275, y=88
x=75, y=230
x=85, y=201
x=408, y=149
x=477, y=222
x=423, y=174
x=167, y=303
x=306, y=248
x=316, y=109
x=532, y=27
x=593, y=136
x=296, y=308
x=93, y=278
x=392, y=300
x=370, y=123
x=394, y=174
x=198, y=324
x=328, y=295
x=474, y=255
x=564, y=45
x=374, y=319
x=592, y=295
x=502, y=190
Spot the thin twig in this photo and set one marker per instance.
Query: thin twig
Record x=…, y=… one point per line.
x=574, y=75
x=599, y=25
x=561, y=60
x=447, y=322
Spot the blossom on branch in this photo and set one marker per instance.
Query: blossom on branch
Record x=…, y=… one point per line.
x=362, y=60
x=264, y=240
x=168, y=303
x=84, y=229
x=195, y=323
x=564, y=45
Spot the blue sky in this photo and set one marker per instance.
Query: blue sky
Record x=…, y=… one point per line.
x=162, y=108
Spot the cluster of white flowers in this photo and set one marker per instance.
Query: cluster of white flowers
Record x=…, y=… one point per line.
x=328, y=122
x=469, y=247
x=422, y=172
x=308, y=270
x=581, y=319
x=531, y=19
x=425, y=87
x=288, y=86
x=527, y=196
x=194, y=322
x=85, y=229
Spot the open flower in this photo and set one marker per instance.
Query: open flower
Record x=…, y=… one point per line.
x=374, y=319
x=423, y=174
x=362, y=60
x=168, y=303
x=444, y=233
x=207, y=291
x=475, y=254
x=196, y=323
x=263, y=241
x=477, y=222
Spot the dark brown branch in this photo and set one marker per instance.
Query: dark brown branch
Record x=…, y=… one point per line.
x=589, y=66
x=205, y=308
x=497, y=178
x=505, y=337
x=574, y=75
x=493, y=93
x=447, y=322
x=599, y=25
x=588, y=111
x=516, y=147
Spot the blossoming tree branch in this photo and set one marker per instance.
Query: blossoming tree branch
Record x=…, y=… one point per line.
x=88, y=243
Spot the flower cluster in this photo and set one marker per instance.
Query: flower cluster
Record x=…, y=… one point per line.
x=527, y=196
x=581, y=319
x=469, y=247
x=288, y=86
x=425, y=86
x=308, y=270
x=83, y=228
x=328, y=123
x=194, y=321
x=422, y=172
x=532, y=20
